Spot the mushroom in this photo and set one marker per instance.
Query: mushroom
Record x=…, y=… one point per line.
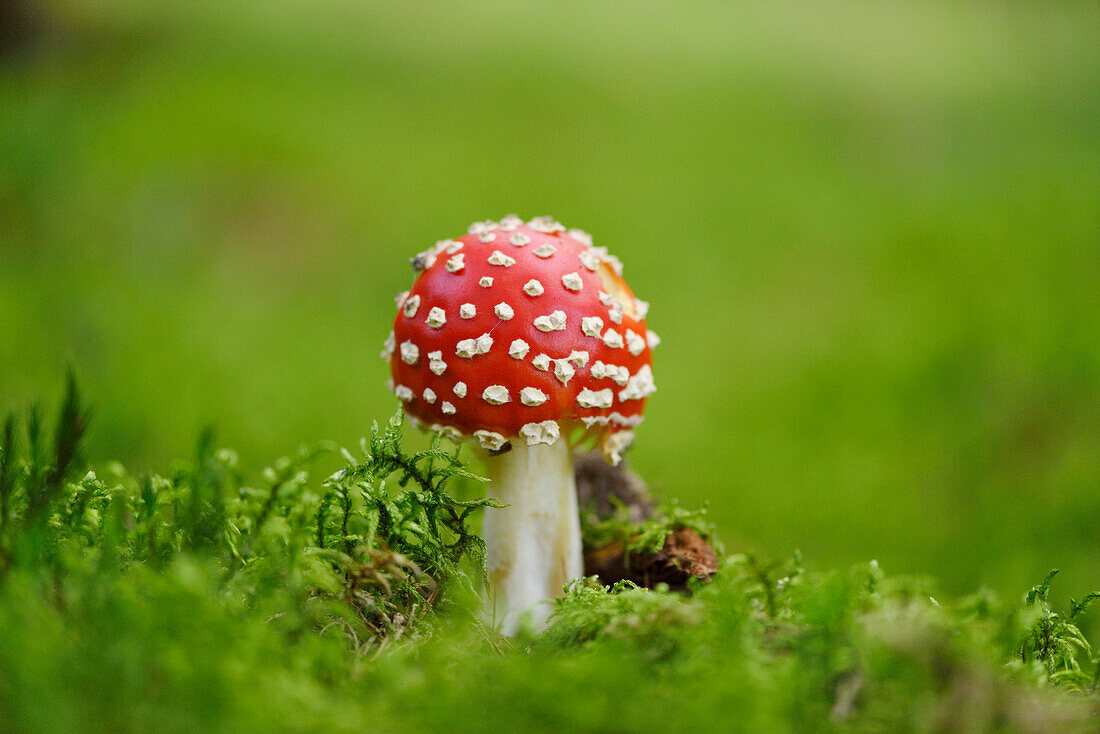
x=524, y=338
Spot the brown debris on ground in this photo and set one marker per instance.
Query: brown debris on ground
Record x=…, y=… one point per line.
x=601, y=490
x=684, y=556
x=599, y=483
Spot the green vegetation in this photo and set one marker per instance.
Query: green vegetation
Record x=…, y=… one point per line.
x=206, y=602
x=868, y=231
x=869, y=234
x=647, y=536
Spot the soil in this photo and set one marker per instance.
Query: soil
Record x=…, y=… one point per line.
x=685, y=555
x=598, y=483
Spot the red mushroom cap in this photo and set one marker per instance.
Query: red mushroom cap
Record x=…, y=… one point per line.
x=520, y=330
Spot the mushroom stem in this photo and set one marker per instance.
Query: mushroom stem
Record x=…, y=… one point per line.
x=533, y=544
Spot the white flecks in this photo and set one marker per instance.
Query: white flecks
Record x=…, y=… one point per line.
x=609, y=259
x=467, y=310
x=532, y=396
x=592, y=326
x=496, y=395
x=541, y=362
x=519, y=349
x=589, y=259
x=546, y=432
x=510, y=222
x=451, y=246
x=640, y=385
x=553, y=322
x=546, y=224
x=578, y=357
x=389, y=384
x=486, y=281
x=411, y=305
x=641, y=308
x=457, y=263
x=410, y=353
x=429, y=395
x=615, y=444
x=449, y=431
x=652, y=339
x=613, y=339
x=616, y=373
x=545, y=251
x=448, y=408
x=399, y=299
x=634, y=342
x=563, y=371
x=470, y=348
x=572, y=281
x=533, y=288
x=389, y=346
x=460, y=389
x=436, y=363
x=426, y=259
x=490, y=440
x=615, y=312
x=479, y=228
x=499, y=258
x=487, y=236
x=580, y=236
x=595, y=420
x=403, y=393
x=595, y=398
x=504, y=311
x=632, y=421
x=436, y=317
x=519, y=239
x=605, y=298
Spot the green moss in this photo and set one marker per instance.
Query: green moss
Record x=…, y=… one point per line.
x=649, y=535
x=205, y=601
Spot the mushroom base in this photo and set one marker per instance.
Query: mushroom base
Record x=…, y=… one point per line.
x=533, y=544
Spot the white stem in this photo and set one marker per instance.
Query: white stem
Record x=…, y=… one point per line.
x=533, y=544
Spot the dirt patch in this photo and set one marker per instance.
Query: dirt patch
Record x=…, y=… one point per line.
x=602, y=488
x=684, y=556
x=606, y=491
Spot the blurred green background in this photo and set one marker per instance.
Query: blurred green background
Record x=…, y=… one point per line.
x=870, y=232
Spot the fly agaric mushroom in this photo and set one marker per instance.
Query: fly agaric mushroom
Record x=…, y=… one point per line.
x=525, y=338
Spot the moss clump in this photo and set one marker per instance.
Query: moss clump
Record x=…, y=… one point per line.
x=372, y=550
x=205, y=601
